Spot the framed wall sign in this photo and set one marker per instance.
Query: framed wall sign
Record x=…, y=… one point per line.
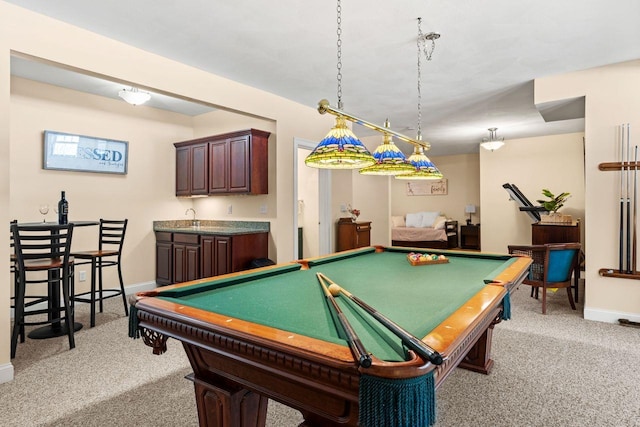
x=427, y=188
x=64, y=151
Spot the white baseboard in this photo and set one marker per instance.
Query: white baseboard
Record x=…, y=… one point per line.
x=6, y=373
x=609, y=316
x=140, y=287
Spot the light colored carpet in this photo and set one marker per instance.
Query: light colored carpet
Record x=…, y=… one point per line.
x=553, y=370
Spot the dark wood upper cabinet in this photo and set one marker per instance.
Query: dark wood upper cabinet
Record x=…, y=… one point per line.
x=192, y=169
x=199, y=169
x=183, y=166
x=239, y=164
x=231, y=163
x=218, y=161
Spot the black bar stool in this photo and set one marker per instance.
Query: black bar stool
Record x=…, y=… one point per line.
x=108, y=254
x=41, y=249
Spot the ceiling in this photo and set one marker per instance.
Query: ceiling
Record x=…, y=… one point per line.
x=480, y=76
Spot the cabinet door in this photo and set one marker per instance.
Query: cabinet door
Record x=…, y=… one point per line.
x=218, y=167
x=186, y=257
x=186, y=262
x=192, y=262
x=216, y=256
x=199, y=169
x=183, y=171
x=363, y=237
x=164, y=263
x=222, y=255
x=179, y=264
x=346, y=236
x=239, y=165
x=207, y=256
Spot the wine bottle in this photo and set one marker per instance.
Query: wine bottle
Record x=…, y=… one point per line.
x=63, y=210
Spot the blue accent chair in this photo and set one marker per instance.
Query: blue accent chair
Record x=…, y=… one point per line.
x=552, y=267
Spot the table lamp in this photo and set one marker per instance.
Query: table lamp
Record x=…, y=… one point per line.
x=470, y=209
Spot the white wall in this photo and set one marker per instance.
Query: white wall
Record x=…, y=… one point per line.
x=462, y=175
x=554, y=162
x=379, y=197
x=143, y=195
x=612, y=97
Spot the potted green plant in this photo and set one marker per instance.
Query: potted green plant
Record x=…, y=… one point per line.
x=553, y=204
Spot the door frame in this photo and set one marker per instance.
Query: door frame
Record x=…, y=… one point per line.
x=324, y=200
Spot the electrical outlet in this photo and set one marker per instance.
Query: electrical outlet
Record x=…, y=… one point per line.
x=263, y=209
x=343, y=208
x=229, y=209
x=83, y=276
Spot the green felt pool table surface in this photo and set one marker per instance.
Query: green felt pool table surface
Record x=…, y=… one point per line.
x=290, y=298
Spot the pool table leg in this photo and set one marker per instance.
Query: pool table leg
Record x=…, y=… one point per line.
x=228, y=407
x=478, y=359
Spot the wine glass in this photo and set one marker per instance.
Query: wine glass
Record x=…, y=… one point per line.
x=44, y=210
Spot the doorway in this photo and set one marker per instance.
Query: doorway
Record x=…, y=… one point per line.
x=312, y=205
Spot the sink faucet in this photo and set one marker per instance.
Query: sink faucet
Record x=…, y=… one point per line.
x=193, y=221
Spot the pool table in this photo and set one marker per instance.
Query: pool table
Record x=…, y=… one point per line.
x=270, y=333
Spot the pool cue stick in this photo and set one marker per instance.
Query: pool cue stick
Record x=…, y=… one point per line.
x=628, y=202
x=360, y=354
x=621, y=253
x=635, y=213
x=411, y=341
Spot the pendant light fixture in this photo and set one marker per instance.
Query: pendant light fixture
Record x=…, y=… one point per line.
x=389, y=159
x=493, y=142
x=423, y=166
x=340, y=149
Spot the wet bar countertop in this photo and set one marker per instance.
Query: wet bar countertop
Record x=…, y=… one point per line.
x=207, y=226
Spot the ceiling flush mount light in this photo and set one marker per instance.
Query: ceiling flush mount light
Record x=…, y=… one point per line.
x=389, y=159
x=423, y=166
x=134, y=96
x=493, y=142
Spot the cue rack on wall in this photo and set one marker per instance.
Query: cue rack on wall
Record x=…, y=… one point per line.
x=628, y=208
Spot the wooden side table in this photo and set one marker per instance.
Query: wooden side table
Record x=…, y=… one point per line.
x=470, y=237
x=353, y=235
